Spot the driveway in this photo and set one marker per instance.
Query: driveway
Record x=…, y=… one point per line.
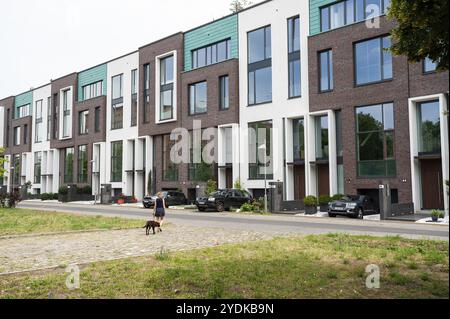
x=263, y=224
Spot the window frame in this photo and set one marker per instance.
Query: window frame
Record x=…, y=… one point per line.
x=167, y=86
x=224, y=92
x=85, y=115
x=193, y=108
x=194, y=53
x=114, y=157
x=294, y=55
x=82, y=174
x=330, y=67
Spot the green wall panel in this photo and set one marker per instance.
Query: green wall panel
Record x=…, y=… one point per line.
x=213, y=32
x=314, y=14
x=95, y=74
x=23, y=99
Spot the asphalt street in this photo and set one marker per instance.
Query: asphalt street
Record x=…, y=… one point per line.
x=271, y=224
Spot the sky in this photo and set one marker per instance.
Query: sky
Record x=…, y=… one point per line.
x=46, y=39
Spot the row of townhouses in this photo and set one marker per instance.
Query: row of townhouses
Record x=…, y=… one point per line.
x=341, y=113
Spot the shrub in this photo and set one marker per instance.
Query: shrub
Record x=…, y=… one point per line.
x=437, y=213
x=55, y=196
x=337, y=197
x=324, y=200
x=46, y=196
x=211, y=187
x=310, y=201
x=86, y=190
x=247, y=207
x=237, y=184
x=63, y=190
x=13, y=199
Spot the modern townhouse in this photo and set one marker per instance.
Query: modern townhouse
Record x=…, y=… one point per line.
x=273, y=77
x=388, y=115
x=299, y=92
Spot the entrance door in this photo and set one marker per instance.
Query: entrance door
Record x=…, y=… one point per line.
x=299, y=182
x=323, y=179
x=432, y=193
x=229, y=177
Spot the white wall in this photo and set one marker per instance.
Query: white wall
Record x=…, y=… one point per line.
x=123, y=66
x=2, y=130
x=274, y=13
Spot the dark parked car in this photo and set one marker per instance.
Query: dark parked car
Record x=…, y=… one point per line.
x=223, y=199
x=172, y=198
x=355, y=206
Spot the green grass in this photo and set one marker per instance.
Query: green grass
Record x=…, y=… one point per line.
x=325, y=266
x=25, y=221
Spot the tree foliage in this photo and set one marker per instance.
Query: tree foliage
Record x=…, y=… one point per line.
x=2, y=162
x=239, y=5
x=422, y=30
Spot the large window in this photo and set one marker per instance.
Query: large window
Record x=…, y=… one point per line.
x=38, y=123
x=49, y=118
x=211, y=54
x=68, y=165
x=83, y=122
x=299, y=139
x=260, y=66
x=134, y=105
x=201, y=172
x=197, y=98
x=326, y=71
x=97, y=119
x=146, y=109
x=322, y=143
x=429, y=66
x=25, y=134
x=66, y=114
x=349, y=11
x=16, y=167
x=375, y=140
x=294, y=57
x=373, y=62
x=260, y=135
x=17, y=135
x=82, y=164
x=117, y=103
x=429, y=127
x=170, y=169
x=37, y=167
x=92, y=90
x=23, y=111
x=224, y=91
x=166, y=88
x=116, y=161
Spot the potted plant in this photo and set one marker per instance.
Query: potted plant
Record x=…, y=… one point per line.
x=310, y=205
x=121, y=199
x=337, y=197
x=436, y=214
x=324, y=201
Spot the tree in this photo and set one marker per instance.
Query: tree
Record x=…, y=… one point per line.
x=2, y=162
x=421, y=31
x=239, y=5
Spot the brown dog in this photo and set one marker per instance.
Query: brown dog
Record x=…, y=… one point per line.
x=151, y=224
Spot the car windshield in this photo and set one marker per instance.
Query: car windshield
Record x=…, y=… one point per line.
x=219, y=193
x=349, y=198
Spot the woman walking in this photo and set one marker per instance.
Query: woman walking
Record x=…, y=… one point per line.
x=160, y=209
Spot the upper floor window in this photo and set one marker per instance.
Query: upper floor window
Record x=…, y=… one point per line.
x=294, y=57
x=429, y=65
x=83, y=117
x=38, y=122
x=117, y=103
x=375, y=140
x=92, y=90
x=17, y=135
x=166, y=88
x=146, y=93
x=134, y=107
x=23, y=110
x=260, y=66
x=373, y=62
x=350, y=11
x=224, y=91
x=326, y=71
x=97, y=119
x=117, y=86
x=66, y=113
x=197, y=98
x=49, y=118
x=211, y=54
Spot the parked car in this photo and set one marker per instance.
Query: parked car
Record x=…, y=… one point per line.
x=223, y=199
x=356, y=206
x=172, y=198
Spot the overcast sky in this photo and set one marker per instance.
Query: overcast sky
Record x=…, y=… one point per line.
x=45, y=39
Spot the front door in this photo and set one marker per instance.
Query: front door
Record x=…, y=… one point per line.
x=323, y=179
x=432, y=188
x=299, y=182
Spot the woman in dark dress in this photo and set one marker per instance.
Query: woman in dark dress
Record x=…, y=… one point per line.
x=160, y=209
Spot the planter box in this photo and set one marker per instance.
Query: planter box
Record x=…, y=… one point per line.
x=310, y=210
x=324, y=208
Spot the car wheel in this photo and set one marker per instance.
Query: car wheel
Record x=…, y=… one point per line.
x=220, y=207
x=201, y=209
x=146, y=206
x=331, y=215
x=360, y=214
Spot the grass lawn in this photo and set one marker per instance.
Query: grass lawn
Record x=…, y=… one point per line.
x=325, y=266
x=24, y=221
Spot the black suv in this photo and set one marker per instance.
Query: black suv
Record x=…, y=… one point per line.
x=223, y=199
x=355, y=206
x=172, y=198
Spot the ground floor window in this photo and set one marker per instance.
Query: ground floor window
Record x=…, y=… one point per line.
x=170, y=169
x=116, y=161
x=68, y=165
x=260, y=149
x=37, y=167
x=82, y=164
